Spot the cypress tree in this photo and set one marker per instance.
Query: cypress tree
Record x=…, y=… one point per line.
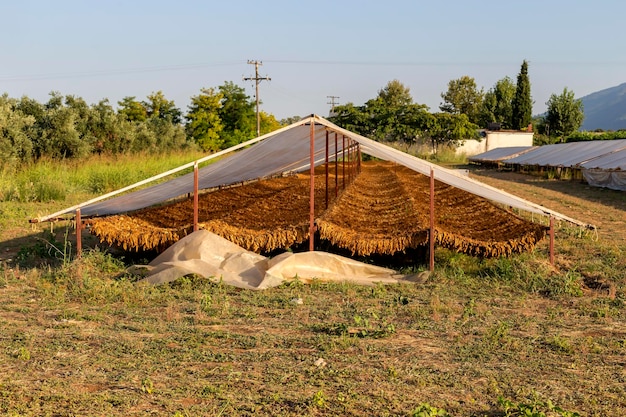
x=522, y=104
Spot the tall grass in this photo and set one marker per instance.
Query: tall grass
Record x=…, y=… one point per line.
x=49, y=180
x=445, y=155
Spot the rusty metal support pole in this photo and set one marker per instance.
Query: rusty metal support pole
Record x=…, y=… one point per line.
x=195, y=196
x=312, y=188
x=551, y=240
x=354, y=145
x=350, y=157
x=79, y=234
x=343, y=161
x=431, y=237
x=336, y=168
x=358, y=148
x=326, y=164
x=348, y=161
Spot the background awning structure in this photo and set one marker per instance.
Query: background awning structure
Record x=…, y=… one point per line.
x=602, y=162
x=614, y=161
x=568, y=155
x=284, y=151
x=500, y=154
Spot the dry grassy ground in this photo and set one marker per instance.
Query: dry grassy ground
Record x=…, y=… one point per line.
x=79, y=338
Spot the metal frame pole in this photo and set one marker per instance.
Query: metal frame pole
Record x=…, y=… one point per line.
x=353, y=161
x=326, y=164
x=431, y=237
x=343, y=160
x=195, y=196
x=551, y=240
x=336, y=168
x=312, y=188
x=79, y=234
x=349, y=161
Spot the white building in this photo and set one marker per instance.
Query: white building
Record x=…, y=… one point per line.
x=492, y=139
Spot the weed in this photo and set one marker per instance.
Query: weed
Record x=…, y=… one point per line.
x=319, y=399
x=47, y=248
x=147, y=385
x=535, y=408
x=426, y=410
x=22, y=354
x=498, y=335
x=469, y=310
x=559, y=344
x=563, y=284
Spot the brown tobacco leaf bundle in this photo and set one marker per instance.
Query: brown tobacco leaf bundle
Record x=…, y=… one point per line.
x=384, y=210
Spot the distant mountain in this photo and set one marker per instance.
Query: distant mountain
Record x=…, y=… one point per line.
x=605, y=109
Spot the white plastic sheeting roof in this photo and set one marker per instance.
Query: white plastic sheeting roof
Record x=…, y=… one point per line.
x=288, y=150
x=568, y=154
x=614, y=161
x=501, y=154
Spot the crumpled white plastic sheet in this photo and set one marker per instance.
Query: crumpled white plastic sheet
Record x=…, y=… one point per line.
x=208, y=255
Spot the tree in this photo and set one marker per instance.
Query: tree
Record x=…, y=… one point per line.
x=565, y=114
x=203, y=121
x=390, y=116
x=395, y=95
x=167, y=135
x=463, y=97
x=111, y=131
x=132, y=110
x=498, y=104
x=353, y=118
x=450, y=129
x=237, y=114
x=15, y=145
x=60, y=137
x=289, y=120
x=162, y=108
x=268, y=122
x=393, y=115
x=522, y=106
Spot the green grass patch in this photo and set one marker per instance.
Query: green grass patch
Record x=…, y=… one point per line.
x=48, y=180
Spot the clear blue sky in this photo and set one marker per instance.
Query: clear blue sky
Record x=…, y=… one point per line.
x=311, y=50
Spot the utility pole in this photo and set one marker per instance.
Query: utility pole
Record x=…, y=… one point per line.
x=332, y=103
x=257, y=79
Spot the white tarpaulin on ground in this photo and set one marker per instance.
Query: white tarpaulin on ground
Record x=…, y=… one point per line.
x=213, y=257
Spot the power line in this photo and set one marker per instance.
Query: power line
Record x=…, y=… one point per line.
x=257, y=80
x=114, y=71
